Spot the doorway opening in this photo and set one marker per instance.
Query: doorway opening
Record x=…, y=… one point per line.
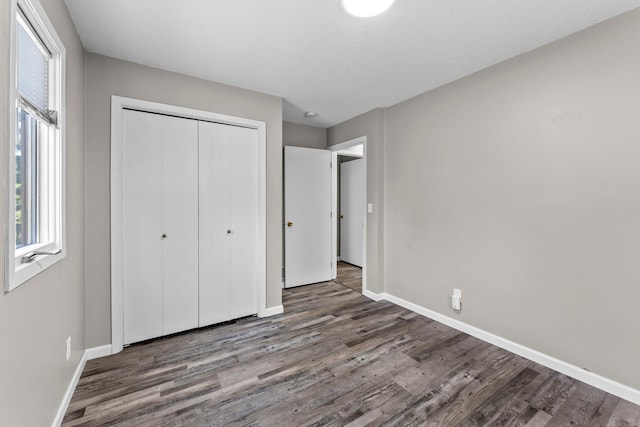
x=317, y=233
x=349, y=225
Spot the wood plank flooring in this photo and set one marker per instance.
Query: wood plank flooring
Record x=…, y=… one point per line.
x=349, y=276
x=334, y=358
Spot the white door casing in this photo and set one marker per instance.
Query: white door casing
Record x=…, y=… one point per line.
x=334, y=150
x=352, y=211
x=307, y=217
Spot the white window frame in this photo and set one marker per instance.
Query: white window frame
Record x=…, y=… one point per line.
x=18, y=272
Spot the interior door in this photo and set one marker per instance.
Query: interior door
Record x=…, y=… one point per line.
x=352, y=203
x=307, y=192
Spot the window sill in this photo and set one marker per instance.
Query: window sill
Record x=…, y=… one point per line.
x=25, y=272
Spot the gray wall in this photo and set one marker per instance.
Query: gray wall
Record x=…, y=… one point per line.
x=521, y=186
x=38, y=316
x=297, y=135
x=371, y=125
x=105, y=77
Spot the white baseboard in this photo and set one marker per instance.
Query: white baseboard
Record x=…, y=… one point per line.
x=272, y=311
x=57, y=421
x=374, y=296
x=595, y=380
x=97, y=352
x=88, y=354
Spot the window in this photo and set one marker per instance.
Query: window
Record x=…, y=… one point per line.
x=36, y=226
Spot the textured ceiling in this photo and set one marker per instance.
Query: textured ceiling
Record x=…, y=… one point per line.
x=317, y=57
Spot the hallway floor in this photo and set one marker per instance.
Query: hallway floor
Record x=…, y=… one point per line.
x=349, y=276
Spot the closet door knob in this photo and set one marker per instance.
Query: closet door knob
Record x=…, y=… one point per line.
x=164, y=236
x=229, y=231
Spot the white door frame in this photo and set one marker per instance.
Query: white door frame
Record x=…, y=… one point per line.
x=361, y=140
x=118, y=105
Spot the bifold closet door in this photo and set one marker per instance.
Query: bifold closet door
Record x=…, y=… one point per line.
x=142, y=223
x=228, y=194
x=179, y=224
x=160, y=225
x=243, y=205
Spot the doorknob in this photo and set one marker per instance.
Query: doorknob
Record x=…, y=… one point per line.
x=341, y=216
x=289, y=224
x=229, y=231
x=164, y=236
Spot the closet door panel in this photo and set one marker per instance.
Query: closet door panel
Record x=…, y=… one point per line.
x=142, y=204
x=179, y=224
x=243, y=205
x=214, y=237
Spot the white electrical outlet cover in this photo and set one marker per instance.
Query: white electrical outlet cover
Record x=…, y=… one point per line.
x=456, y=302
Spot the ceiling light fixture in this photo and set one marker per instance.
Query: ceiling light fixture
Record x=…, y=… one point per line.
x=311, y=114
x=366, y=8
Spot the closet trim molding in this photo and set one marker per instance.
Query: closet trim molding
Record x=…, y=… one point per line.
x=118, y=105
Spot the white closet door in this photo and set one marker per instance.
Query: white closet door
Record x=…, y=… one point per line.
x=179, y=224
x=243, y=205
x=142, y=205
x=228, y=181
x=213, y=251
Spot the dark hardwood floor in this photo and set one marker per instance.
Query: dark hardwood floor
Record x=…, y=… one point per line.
x=334, y=358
